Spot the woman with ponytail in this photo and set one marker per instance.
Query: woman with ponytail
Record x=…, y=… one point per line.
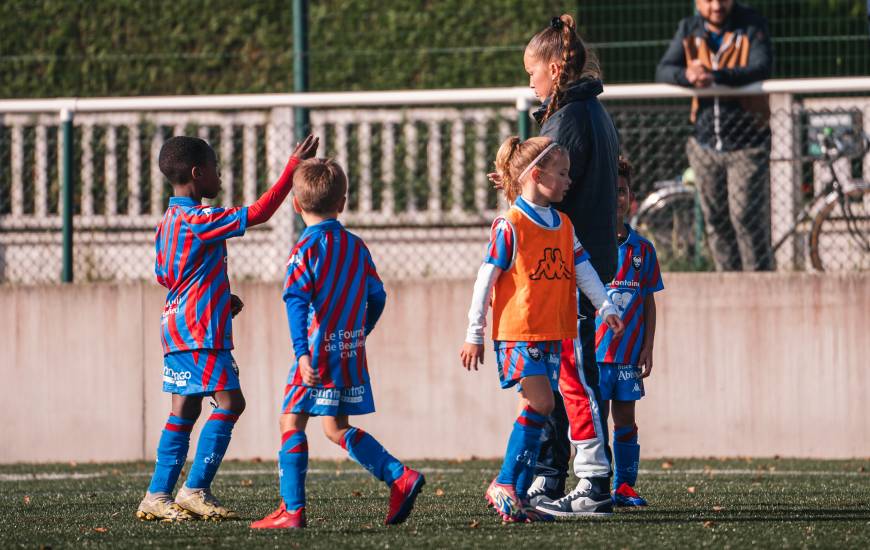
x=533, y=267
x=566, y=77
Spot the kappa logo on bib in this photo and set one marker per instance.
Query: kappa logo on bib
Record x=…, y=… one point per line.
x=551, y=266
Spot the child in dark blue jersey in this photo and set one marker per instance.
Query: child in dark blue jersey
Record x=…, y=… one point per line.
x=624, y=361
x=197, y=323
x=333, y=297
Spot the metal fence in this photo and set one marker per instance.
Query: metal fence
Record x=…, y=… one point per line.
x=417, y=163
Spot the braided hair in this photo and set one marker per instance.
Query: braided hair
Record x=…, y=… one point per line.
x=560, y=43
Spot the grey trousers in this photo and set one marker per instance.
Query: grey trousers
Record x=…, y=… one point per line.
x=735, y=199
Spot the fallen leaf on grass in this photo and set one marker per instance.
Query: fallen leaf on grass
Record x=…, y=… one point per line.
x=101, y=530
x=26, y=500
x=246, y=482
x=717, y=508
x=474, y=524
x=709, y=524
x=691, y=490
x=861, y=469
x=439, y=492
x=356, y=493
x=667, y=465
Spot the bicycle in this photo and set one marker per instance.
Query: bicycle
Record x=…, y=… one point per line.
x=838, y=215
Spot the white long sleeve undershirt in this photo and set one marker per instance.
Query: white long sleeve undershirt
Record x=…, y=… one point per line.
x=585, y=275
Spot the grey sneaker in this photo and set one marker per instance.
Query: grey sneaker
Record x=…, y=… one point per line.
x=583, y=501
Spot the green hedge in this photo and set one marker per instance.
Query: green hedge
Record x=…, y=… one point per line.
x=137, y=47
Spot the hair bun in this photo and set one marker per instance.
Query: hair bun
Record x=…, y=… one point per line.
x=557, y=23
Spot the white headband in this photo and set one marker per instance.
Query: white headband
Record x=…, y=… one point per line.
x=537, y=159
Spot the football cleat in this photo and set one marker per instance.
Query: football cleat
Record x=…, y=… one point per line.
x=625, y=496
x=403, y=493
x=161, y=507
x=533, y=515
x=505, y=501
x=584, y=501
x=282, y=519
x=202, y=503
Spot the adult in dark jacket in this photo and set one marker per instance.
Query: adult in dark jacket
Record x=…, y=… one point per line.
x=729, y=44
x=566, y=78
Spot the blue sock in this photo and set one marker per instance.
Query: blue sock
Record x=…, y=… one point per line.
x=626, y=455
x=213, y=442
x=292, y=467
x=171, y=454
x=372, y=456
x=518, y=468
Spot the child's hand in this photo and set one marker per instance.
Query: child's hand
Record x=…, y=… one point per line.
x=615, y=324
x=236, y=305
x=310, y=377
x=645, y=361
x=307, y=149
x=470, y=355
x=495, y=179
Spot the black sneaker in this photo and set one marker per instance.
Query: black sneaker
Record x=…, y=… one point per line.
x=584, y=501
x=543, y=489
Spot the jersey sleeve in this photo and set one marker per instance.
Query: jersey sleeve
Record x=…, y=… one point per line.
x=213, y=224
x=580, y=254
x=298, y=292
x=500, y=251
x=374, y=285
x=652, y=281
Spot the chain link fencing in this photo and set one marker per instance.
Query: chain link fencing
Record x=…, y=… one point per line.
x=761, y=197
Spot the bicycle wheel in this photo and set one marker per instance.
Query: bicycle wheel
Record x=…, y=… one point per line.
x=839, y=236
x=671, y=219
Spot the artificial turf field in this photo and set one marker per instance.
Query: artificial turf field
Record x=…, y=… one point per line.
x=759, y=503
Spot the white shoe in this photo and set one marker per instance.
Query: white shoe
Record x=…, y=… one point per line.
x=203, y=504
x=537, y=493
x=161, y=507
x=583, y=501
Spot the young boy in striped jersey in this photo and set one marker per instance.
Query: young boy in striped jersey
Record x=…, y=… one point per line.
x=333, y=297
x=197, y=323
x=624, y=361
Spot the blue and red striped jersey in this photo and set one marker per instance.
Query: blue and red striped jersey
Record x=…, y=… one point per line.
x=192, y=264
x=333, y=297
x=637, y=276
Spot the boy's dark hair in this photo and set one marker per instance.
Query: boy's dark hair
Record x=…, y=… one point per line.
x=319, y=185
x=180, y=154
x=623, y=169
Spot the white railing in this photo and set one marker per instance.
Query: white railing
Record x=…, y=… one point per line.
x=417, y=162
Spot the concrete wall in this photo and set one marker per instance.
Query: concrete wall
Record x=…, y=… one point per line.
x=745, y=364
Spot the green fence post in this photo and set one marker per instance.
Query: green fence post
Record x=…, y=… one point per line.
x=524, y=125
x=301, y=122
x=67, y=182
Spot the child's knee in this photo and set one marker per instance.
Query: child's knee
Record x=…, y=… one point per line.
x=334, y=434
x=543, y=404
x=623, y=413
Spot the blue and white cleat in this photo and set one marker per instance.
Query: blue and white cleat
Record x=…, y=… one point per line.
x=505, y=501
x=625, y=496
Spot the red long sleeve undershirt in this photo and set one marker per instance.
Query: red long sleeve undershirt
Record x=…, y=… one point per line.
x=268, y=203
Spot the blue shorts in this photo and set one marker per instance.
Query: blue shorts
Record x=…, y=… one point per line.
x=619, y=382
x=517, y=360
x=354, y=400
x=200, y=372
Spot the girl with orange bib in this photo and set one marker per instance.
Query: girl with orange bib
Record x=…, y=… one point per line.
x=533, y=267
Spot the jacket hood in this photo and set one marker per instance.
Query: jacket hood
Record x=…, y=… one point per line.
x=580, y=90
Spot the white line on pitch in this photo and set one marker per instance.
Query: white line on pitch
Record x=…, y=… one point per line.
x=57, y=476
